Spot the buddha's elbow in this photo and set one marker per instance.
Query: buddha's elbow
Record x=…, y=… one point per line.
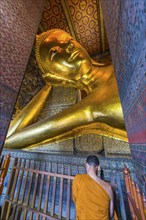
x=6, y=144
x=89, y=115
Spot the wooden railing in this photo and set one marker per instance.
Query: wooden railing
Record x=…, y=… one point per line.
x=33, y=193
x=36, y=194
x=136, y=199
x=4, y=165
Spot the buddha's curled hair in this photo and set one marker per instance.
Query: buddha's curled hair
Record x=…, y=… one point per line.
x=39, y=41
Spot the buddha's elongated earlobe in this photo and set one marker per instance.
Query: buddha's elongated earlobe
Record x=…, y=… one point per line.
x=39, y=42
x=95, y=63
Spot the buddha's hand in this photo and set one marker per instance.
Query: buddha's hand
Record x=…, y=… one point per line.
x=30, y=113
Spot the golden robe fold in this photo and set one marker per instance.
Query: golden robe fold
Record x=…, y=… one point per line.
x=91, y=200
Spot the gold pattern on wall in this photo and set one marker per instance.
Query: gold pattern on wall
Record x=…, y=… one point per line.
x=115, y=147
x=89, y=143
x=86, y=23
x=53, y=17
x=63, y=96
x=60, y=99
x=62, y=147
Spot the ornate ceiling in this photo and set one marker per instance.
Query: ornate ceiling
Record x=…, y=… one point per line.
x=81, y=18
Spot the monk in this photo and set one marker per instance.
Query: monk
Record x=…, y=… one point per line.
x=92, y=196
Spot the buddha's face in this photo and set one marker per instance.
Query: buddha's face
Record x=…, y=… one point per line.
x=65, y=56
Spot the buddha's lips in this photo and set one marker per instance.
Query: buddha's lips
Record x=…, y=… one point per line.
x=73, y=55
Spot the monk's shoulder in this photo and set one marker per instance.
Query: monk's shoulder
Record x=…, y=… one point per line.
x=106, y=186
x=79, y=177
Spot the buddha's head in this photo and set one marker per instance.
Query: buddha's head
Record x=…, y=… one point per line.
x=61, y=58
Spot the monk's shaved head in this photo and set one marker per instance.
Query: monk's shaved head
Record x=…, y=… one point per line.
x=92, y=160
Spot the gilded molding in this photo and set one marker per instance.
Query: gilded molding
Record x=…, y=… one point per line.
x=69, y=18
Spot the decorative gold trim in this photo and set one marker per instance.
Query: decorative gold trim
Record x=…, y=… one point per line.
x=68, y=16
x=102, y=28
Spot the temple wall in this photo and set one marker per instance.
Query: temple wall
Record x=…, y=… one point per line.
x=125, y=26
x=19, y=24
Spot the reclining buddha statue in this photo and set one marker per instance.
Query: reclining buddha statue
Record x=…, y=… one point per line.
x=63, y=61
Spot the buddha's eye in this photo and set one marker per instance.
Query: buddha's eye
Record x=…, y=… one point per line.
x=52, y=53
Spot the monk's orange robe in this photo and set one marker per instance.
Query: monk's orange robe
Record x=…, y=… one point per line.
x=91, y=200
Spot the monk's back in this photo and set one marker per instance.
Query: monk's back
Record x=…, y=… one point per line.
x=92, y=201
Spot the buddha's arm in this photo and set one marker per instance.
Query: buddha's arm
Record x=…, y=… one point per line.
x=76, y=116
x=102, y=106
x=30, y=112
x=93, y=128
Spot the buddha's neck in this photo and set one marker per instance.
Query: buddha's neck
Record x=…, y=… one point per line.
x=95, y=77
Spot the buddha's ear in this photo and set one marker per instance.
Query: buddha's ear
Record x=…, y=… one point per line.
x=99, y=64
x=95, y=63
